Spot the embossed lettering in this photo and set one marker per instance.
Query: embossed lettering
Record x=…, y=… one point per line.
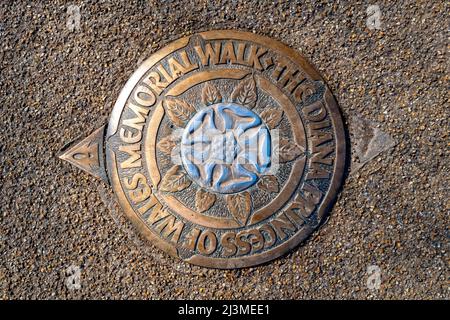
x=134, y=159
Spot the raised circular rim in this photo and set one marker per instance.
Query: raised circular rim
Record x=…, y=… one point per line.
x=302, y=234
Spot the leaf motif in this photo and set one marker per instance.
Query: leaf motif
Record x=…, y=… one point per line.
x=167, y=144
x=210, y=94
x=175, y=180
x=204, y=200
x=240, y=205
x=288, y=151
x=269, y=184
x=179, y=111
x=272, y=117
x=245, y=93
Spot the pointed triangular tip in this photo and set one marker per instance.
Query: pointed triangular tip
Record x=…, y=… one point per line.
x=87, y=154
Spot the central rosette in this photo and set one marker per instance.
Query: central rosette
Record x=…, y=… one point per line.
x=225, y=147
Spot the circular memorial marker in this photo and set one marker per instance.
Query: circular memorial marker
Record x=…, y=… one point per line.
x=225, y=148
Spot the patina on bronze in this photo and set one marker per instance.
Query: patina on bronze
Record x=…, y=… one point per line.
x=225, y=148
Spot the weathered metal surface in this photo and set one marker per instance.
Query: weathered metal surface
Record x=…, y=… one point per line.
x=225, y=149
x=87, y=154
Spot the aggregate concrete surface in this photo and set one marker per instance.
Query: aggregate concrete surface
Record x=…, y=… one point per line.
x=390, y=219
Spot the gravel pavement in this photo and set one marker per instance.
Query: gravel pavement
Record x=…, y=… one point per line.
x=59, y=82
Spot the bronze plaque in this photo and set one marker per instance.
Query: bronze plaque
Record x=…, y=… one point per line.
x=225, y=148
